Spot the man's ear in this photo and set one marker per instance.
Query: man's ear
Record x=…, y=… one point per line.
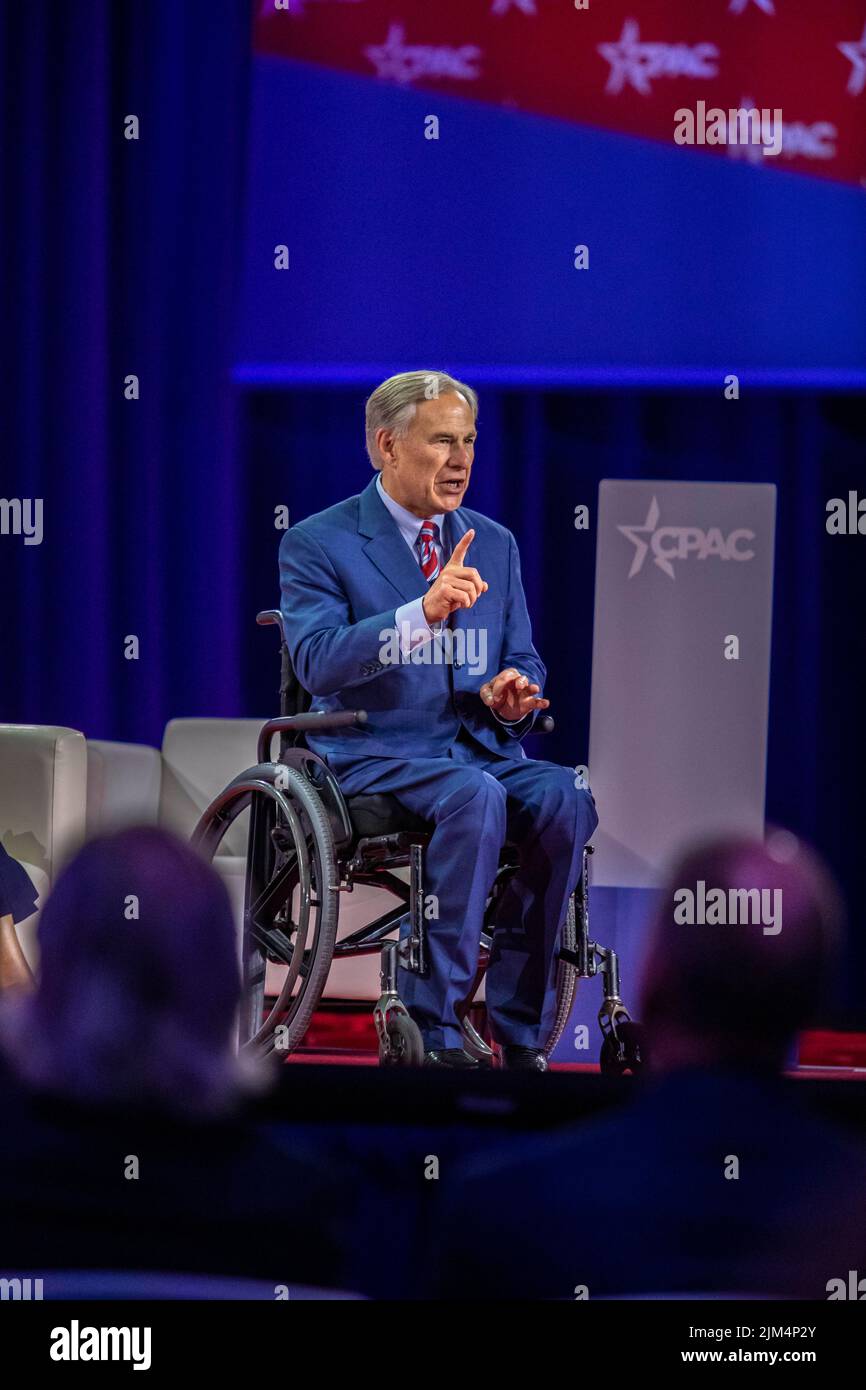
x=385, y=445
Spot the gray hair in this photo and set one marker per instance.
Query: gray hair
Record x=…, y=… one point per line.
x=392, y=405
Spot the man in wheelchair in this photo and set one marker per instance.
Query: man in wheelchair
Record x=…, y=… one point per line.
x=383, y=598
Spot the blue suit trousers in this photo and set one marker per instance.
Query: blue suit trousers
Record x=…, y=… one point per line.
x=478, y=801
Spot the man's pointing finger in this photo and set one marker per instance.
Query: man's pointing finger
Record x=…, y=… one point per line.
x=459, y=552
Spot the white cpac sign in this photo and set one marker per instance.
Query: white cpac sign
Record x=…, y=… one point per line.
x=669, y=543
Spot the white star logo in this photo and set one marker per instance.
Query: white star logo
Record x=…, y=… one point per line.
x=624, y=59
x=525, y=6
x=638, y=63
x=737, y=6
x=399, y=61
x=856, y=55
x=388, y=58
x=634, y=534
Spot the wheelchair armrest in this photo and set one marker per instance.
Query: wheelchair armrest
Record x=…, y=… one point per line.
x=297, y=723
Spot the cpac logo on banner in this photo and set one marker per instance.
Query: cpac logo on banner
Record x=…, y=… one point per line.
x=669, y=543
x=400, y=61
x=638, y=63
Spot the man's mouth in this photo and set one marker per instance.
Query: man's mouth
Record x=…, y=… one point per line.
x=452, y=485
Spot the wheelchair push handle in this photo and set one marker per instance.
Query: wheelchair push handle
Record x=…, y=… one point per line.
x=271, y=615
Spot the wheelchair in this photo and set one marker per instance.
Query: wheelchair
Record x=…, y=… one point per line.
x=307, y=844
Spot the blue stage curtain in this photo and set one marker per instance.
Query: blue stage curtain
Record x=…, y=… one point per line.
x=118, y=257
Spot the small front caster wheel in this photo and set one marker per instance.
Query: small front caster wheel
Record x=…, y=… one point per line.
x=400, y=1041
x=624, y=1051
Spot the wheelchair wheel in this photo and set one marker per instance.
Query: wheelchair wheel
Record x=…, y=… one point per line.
x=624, y=1051
x=566, y=980
x=290, y=898
x=400, y=1041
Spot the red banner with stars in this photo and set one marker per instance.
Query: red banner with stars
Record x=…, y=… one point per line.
x=687, y=72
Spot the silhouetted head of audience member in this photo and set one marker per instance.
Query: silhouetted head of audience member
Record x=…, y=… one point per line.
x=138, y=983
x=741, y=954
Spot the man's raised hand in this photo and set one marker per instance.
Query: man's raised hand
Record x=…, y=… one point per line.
x=511, y=695
x=457, y=585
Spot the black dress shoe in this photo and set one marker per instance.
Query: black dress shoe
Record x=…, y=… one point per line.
x=453, y=1057
x=516, y=1058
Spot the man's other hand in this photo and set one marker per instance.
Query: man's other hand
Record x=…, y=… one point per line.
x=511, y=695
x=457, y=585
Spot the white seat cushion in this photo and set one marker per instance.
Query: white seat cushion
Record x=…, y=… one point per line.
x=123, y=785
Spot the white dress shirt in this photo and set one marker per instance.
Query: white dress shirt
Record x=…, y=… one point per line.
x=410, y=621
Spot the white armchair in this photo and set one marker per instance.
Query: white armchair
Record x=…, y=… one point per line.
x=58, y=789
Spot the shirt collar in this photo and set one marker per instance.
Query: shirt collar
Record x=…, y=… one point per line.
x=409, y=523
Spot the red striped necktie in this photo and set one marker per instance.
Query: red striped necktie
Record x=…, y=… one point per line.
x=427, y=537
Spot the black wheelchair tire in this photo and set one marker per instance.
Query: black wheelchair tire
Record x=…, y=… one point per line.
x=566, y=981
x=289, y=793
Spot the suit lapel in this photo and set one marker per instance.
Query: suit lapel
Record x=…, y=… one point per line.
x=456, y=526
x=386, y=548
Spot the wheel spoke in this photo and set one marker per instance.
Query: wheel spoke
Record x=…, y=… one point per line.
x=273, y=942
x=275, y=890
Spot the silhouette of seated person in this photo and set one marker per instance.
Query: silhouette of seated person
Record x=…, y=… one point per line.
x=128, y=1142
x=717, y=1174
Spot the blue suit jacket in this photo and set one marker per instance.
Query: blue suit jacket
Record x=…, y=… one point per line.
x=343, y=574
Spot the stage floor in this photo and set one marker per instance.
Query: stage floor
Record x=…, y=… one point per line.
x=345, y=1036
x=346, y=1058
